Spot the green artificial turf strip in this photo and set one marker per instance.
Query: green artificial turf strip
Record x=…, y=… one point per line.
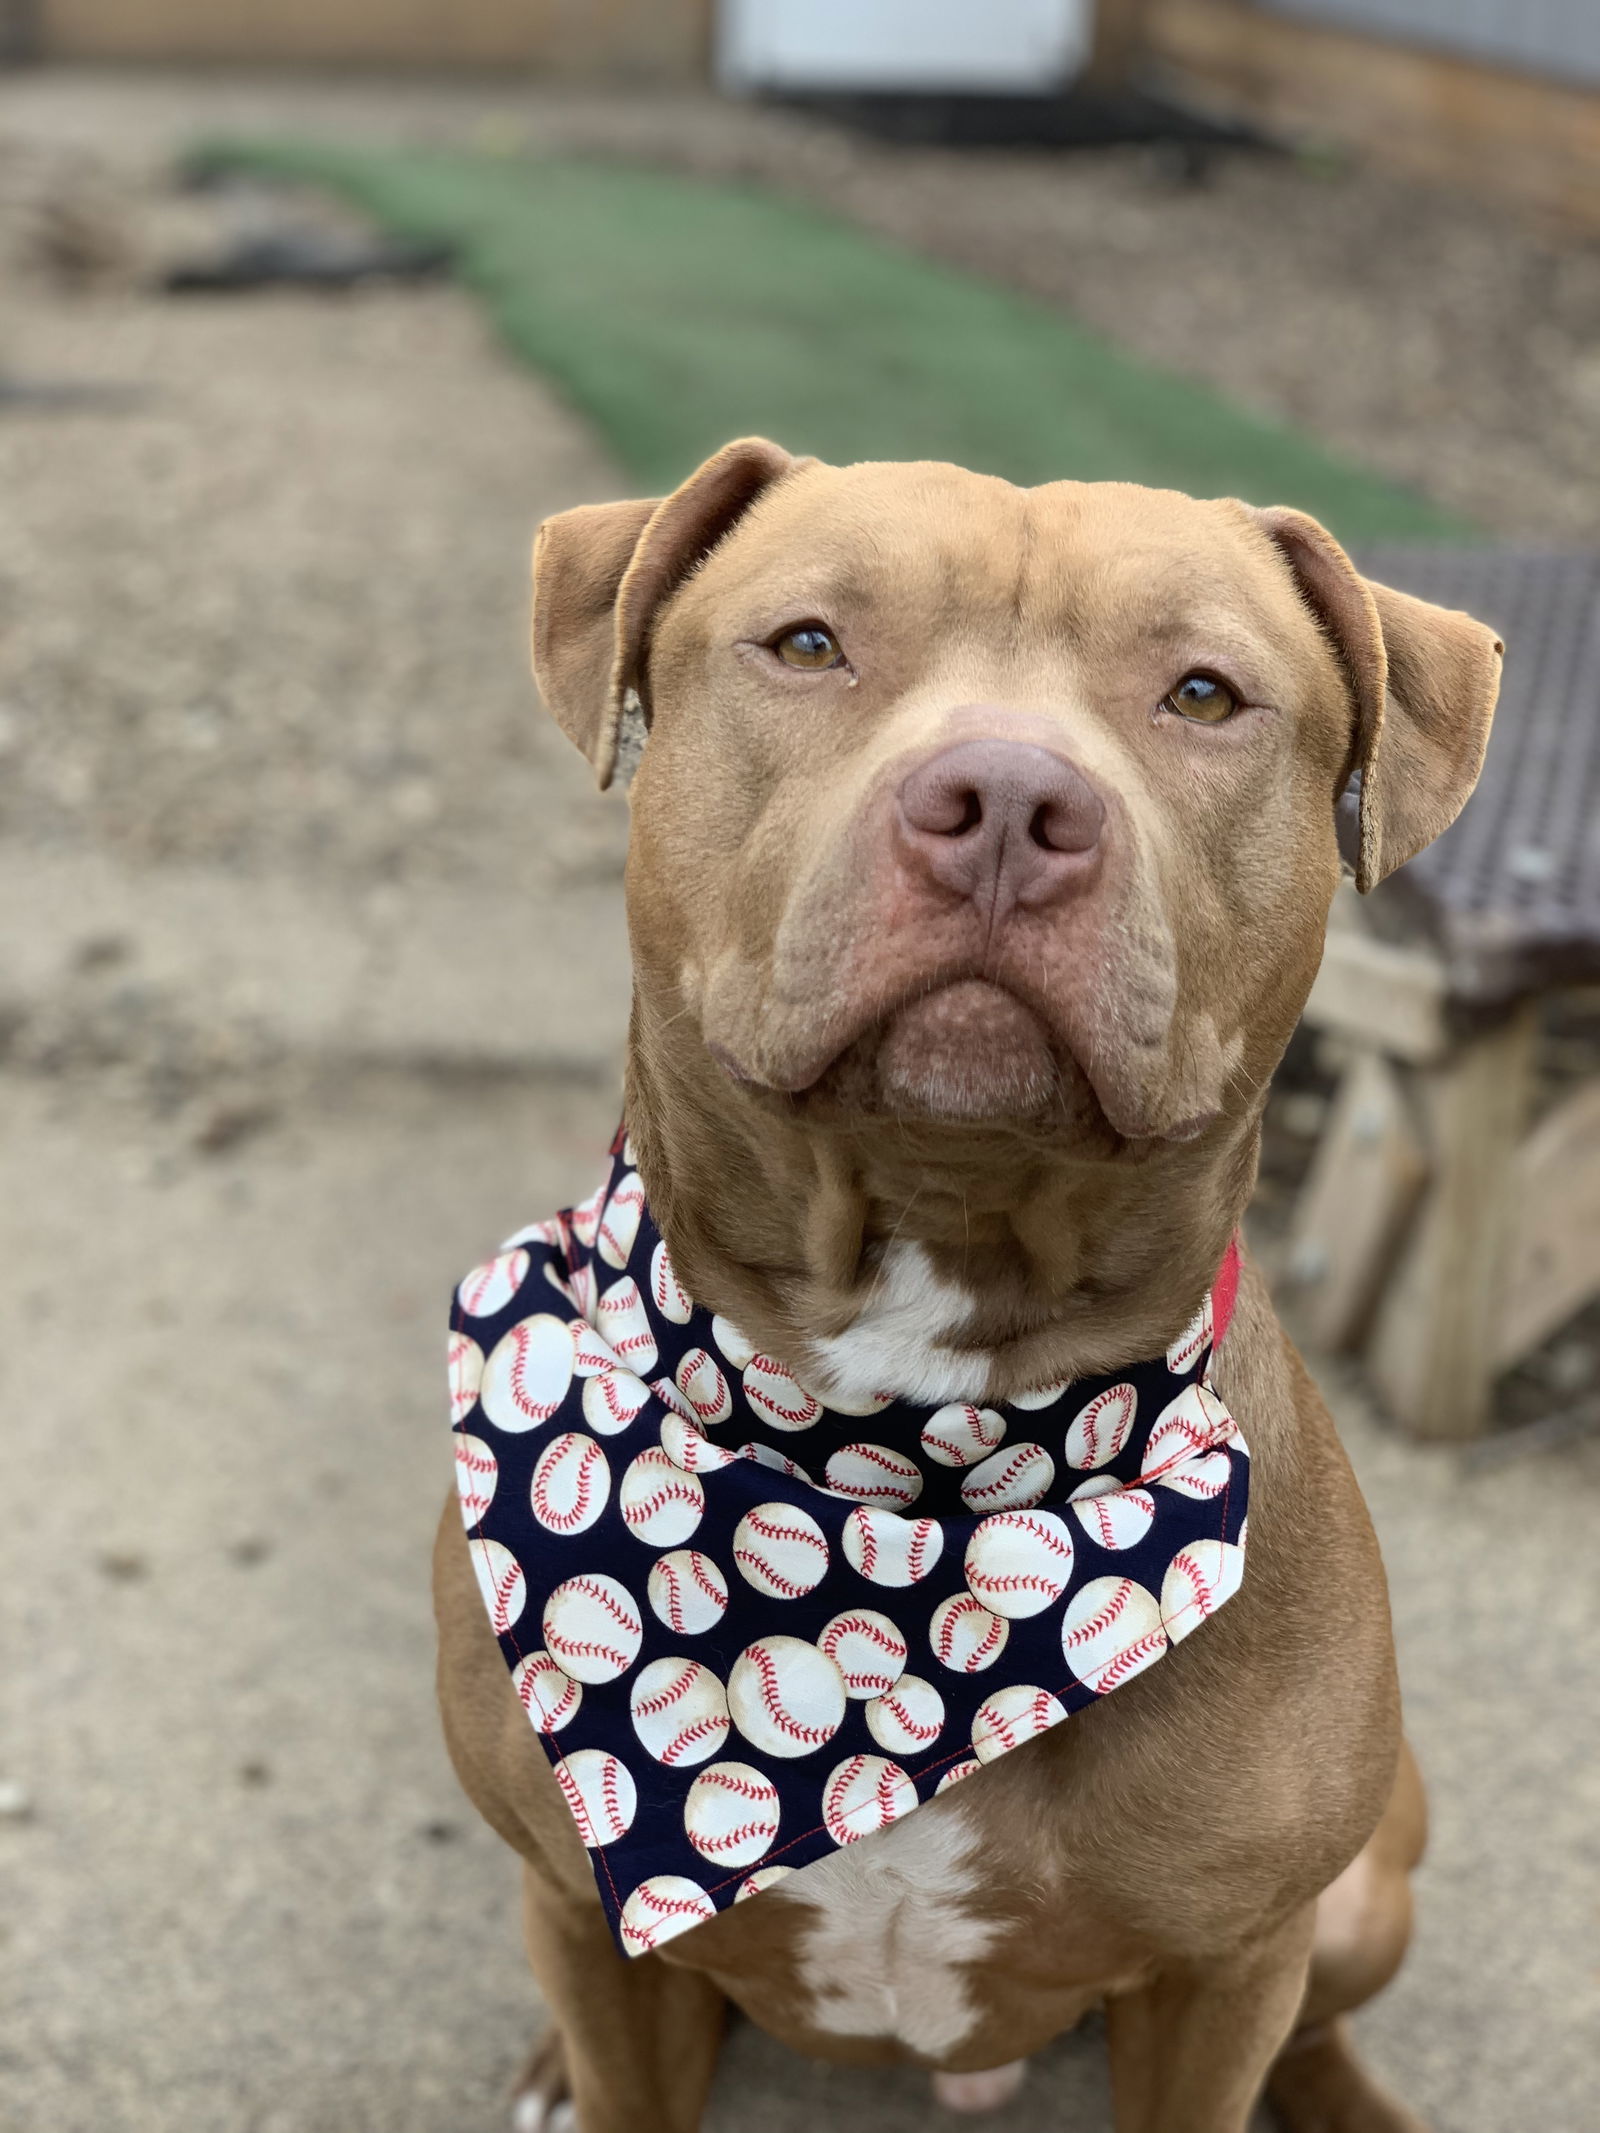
x=676, y=313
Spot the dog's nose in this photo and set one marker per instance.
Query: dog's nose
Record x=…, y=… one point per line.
x=1003, y=822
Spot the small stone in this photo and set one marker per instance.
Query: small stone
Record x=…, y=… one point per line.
x=255, y=1774
x=441, y=1832
x=251, y=1550
x=16, y=1801
x=124, y=1566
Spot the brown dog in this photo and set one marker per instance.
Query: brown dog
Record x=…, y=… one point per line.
x=982, y=850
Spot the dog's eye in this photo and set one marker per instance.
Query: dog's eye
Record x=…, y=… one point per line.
x=810, y=646
x=1203, y=698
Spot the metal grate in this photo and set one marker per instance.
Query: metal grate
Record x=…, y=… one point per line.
x=1559, y=37
x=1511, y=894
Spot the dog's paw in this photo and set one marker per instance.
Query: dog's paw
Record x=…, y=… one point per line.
x=543, y=2101
x=531, y=2114
x=979, y=2092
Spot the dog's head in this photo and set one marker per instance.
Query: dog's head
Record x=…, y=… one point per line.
x=990, y=815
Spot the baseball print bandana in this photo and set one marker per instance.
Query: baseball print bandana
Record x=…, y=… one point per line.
x=749, y=1626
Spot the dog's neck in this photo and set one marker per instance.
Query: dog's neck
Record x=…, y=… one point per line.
x=937, y=1262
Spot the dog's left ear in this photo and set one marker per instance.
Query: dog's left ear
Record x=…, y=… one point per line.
x=601, y=572
x=1423, y=684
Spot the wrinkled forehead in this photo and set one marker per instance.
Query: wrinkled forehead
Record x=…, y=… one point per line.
x=1081, y=560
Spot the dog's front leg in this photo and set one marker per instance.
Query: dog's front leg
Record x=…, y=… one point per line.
x=639, y=2037
x=1191, y=2050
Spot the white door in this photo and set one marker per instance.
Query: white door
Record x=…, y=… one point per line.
x=980, y=45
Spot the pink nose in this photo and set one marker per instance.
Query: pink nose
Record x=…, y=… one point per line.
x=1002, y=822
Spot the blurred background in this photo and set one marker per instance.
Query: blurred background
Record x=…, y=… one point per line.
x=313, y=975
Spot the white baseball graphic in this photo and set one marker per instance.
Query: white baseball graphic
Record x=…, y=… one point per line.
x=477, y=1471
x=1100, y=1430
x=526, y=1377
x=1192, y=1342
x=592, y=1628
x=1185, y=1452
x=464, y=1374
x=778, y=1399
x=687, y=1445
x=680, y=1711
x=960, y=1435
x=1019, y=1562
x=787, y=1697
x=731, y=1814
x=867, y=1649
x=548, y=1230
x=907, y=1719
x=1199, y=1580
x=501, y=1582
x=586, y=1215
x=599, y=1793
x=571, y=1483
x=1114, y=1516
x=659, y=1502
x=780, y=1550
x=863, y=1794
x=1014, y=1477
x=703, y=1385
x=669, y=1396
x=858, y=1403
x=1110, y=1632
x=1011, y=1716
x=871, y=1473
x=671, y=1298
x=591, y=1354
x=549, y=1695
x=965, y=1635
x=764, y=1877
x=619, y=1225
x=769, y=1456
x=1038, y=1396
x=612, y=1400
x=661, y=1908
x=620, y=1317
x=687, y=1591
x=957, y=1772
x=890, y=1550
x=490, y=1287
x=734, y=1346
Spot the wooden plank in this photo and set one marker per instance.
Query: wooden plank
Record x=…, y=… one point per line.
x=1363, y=1188
x=1389, y=999
x=1492, y=130
x=1553, y=1264
x=1434, y=1347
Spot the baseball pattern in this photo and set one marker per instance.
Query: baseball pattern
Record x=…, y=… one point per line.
x=601, y=1795
x=867, y=1649
x=737, y=1659
x=732, y=1814
x=680, y=1711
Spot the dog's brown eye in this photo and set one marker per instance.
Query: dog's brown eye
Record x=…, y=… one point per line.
x=1203, y=698
x=810, y=646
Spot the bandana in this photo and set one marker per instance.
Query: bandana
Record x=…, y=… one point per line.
x=749, y=1626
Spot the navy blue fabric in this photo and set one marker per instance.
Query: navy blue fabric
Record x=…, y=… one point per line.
x=574, y=1352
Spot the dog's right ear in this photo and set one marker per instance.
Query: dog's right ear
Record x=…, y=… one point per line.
x=601, y=572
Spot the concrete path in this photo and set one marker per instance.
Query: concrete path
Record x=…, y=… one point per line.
x=312, y=984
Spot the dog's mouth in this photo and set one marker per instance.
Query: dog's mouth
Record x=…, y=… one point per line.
x=963, y=1051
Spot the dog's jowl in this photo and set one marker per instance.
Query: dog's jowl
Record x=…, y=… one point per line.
x=902, y=1580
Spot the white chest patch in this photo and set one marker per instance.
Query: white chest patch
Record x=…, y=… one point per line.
x=888, y=1952
x=897, y=1342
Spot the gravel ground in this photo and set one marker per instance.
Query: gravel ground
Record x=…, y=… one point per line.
x=313, y=981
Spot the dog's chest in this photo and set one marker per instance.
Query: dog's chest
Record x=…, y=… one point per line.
x=894, y=1931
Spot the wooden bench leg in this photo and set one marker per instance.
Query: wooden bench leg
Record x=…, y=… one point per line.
x=1353, y=1209
x=1436, y=1341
